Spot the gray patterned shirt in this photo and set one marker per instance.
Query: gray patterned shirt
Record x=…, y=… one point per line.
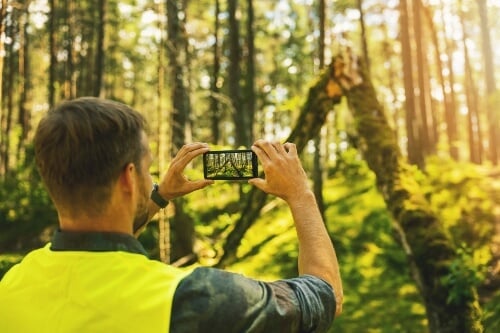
x=212, y=300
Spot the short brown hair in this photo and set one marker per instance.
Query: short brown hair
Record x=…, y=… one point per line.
x=82, y=145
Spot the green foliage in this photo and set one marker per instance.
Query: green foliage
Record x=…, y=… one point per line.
x=462, y=195
x=491, y=318
x=26, y=212
x=7, y=261
x=465, y=275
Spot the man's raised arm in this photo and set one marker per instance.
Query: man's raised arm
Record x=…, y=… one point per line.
x=285, y=178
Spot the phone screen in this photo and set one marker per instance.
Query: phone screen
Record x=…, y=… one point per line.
x=230, y=164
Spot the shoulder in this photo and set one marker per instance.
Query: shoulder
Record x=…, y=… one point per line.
x=214, y=287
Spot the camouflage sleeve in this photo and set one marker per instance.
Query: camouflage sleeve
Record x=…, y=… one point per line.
x=212, y=300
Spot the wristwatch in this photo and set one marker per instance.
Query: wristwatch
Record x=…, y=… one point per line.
x=157, y=198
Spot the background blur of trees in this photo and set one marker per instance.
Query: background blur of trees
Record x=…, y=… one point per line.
x=228, y=72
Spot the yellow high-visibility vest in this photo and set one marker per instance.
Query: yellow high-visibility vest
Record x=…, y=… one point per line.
x=77, y=291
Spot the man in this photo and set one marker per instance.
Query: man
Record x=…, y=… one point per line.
x=94, y=276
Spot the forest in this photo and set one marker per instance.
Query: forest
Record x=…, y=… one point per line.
x=394, y=107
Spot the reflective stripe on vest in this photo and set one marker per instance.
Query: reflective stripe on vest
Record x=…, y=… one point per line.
x=70, y=291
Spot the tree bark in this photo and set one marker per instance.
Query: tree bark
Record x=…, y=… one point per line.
x=9, y=89
x=364, y=39
x=100, y=54
x=3, y=135
x=426, y=136
x=489, y=71
x=317, y=174
x=182, y=225
x=451, y=108
x=250, y=95
x=215, y=110
x=162, y=135
x=53, y=52
x=449, y=112
x=241, y=126
x=25, y=85
x=413, y=123
x=3, y=15
x=473, y=119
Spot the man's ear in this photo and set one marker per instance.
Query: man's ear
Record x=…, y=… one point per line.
x=128, y=177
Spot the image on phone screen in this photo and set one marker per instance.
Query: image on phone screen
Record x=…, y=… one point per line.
x=230, y=164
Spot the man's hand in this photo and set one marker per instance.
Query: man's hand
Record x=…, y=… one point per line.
x=175, y=184
x=284, y=175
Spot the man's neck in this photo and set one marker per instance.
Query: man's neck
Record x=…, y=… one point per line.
x=96, y=224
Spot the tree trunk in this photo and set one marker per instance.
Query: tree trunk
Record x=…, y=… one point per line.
x=53, y=52
x=317, y=174
x=489, y=70
x=182, y=224
x=426, y=136
x=9, y=89
x=162, y=136
x=250, y=95
x=364, y=39
x=24, y=119
x=3, y=14
x=473, y=119
x=70, y=17
x=430, y=252
x=413, y=124
x=215, y=110
x=3, y=135
x=99, y=54
x=241, y=129
x=451, y=108
x=449, y=113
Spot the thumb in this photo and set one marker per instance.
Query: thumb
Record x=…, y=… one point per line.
x=259, y=183
x=203, y=183
x=199, y=184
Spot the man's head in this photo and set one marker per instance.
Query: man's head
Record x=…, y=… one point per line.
x=81, y=148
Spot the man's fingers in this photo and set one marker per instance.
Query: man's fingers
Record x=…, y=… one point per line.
x=192, y=149
x=290, y=148
x=279, y=148
x=261, y=154
x=188, y=152
x=267, y=150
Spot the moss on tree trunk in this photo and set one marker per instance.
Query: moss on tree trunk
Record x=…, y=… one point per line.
x=429, y=249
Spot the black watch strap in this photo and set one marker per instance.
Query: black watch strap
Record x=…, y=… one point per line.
x=157, y=198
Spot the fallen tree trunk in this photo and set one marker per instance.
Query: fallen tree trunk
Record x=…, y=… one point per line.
x=323, y=95
x=429, y=250
x=450, y=307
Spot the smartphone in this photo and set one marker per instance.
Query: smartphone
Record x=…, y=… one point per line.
x=230, y=164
